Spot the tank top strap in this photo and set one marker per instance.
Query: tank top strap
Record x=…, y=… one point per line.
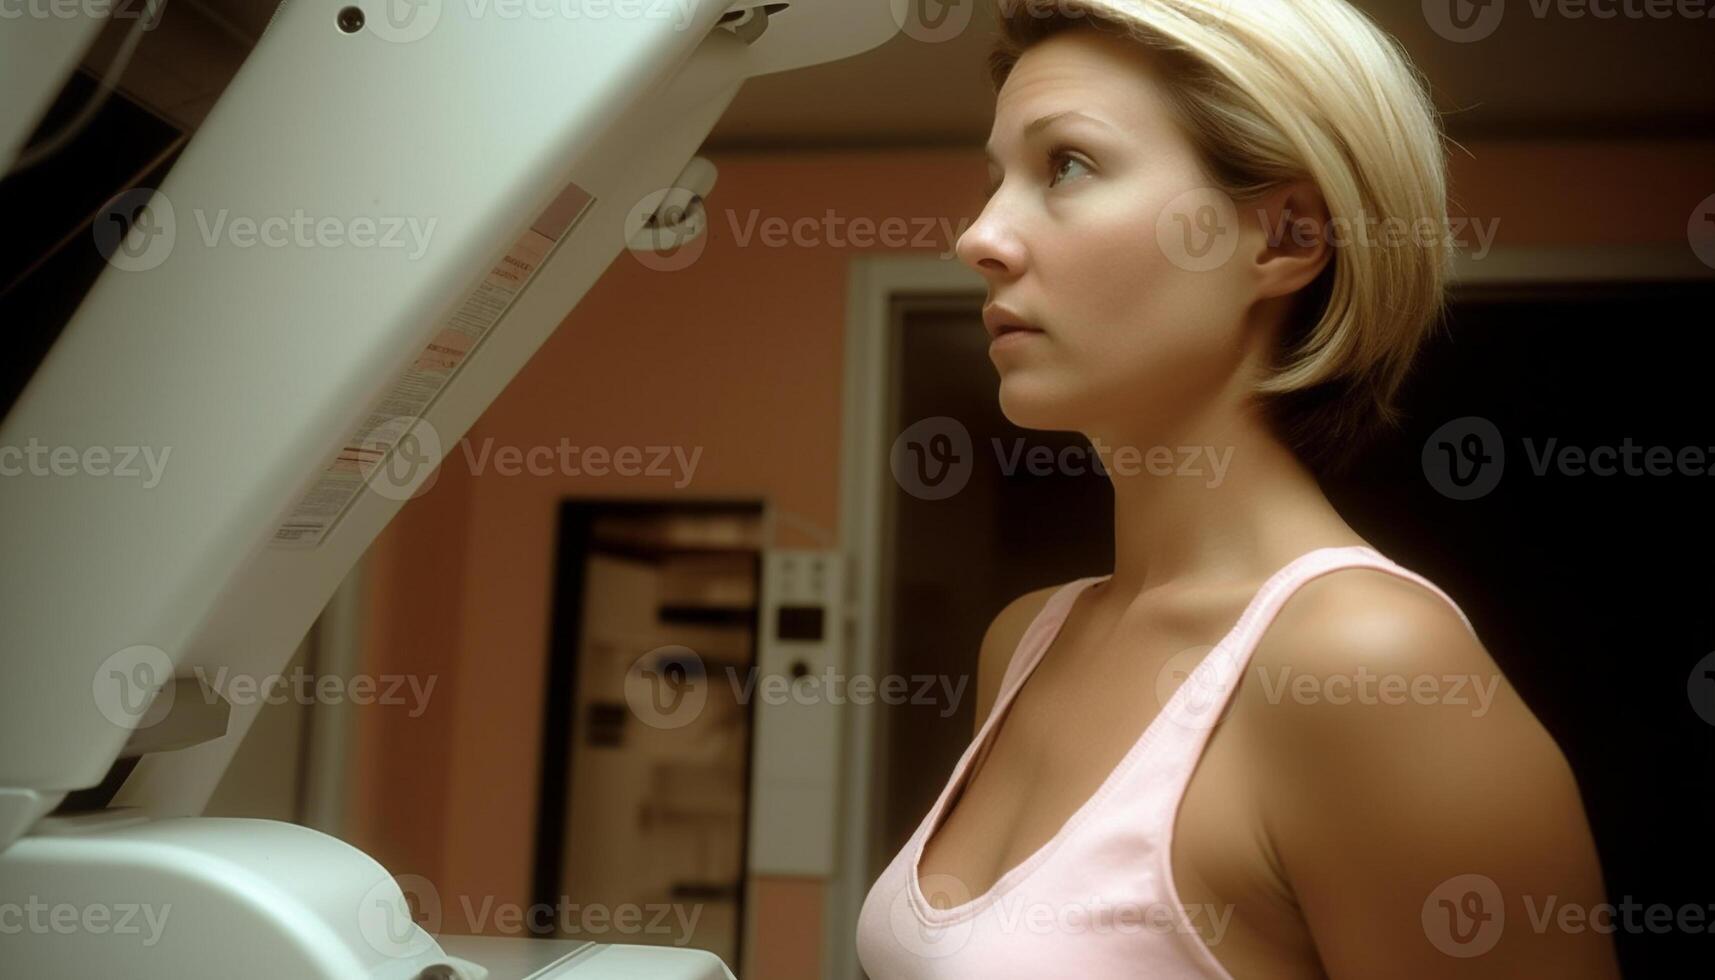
x=1036, y=637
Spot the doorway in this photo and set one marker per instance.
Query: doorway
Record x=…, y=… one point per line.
x=645, y=762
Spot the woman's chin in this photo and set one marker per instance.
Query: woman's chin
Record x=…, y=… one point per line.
x=1030, y=408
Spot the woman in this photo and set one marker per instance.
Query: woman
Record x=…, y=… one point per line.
x=1223, y=225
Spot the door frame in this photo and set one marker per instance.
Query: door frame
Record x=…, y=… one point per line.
x=875, y=281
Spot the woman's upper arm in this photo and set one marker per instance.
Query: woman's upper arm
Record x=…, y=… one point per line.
x=1427, y=823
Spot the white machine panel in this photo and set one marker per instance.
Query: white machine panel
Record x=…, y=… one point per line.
x=802, y=692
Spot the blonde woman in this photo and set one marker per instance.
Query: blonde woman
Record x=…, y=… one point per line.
x=1258, y=748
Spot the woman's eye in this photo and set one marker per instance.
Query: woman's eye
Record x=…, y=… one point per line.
x=1059, y=158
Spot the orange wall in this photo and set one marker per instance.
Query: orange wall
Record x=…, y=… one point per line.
x=740, y=354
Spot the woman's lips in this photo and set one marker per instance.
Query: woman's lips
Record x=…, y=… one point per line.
x=1010, y=336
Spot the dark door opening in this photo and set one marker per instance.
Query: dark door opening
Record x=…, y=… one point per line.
x=645, y=775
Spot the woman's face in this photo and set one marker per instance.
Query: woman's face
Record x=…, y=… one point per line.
x=1099, y=232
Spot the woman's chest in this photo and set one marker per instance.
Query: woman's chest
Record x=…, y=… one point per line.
x=1077, y=756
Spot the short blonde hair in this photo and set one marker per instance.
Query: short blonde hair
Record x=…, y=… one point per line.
x=1272, y=91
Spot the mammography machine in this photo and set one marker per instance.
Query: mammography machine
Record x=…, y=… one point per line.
x=294, y=389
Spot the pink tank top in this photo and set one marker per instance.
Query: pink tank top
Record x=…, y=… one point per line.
x=1098, y=899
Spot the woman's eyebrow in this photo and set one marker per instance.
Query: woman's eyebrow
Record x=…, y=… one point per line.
x=1043, y=122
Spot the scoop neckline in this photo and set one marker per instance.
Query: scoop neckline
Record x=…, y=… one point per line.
x=1009, y=879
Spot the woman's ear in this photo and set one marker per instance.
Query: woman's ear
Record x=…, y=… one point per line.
x=1291, y=227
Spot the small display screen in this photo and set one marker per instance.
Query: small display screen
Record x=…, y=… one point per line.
x=799, y=623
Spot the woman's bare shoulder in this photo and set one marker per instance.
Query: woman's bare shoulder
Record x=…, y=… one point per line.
x=1398, y=767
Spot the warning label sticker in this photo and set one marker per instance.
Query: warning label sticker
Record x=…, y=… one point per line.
x=394, y=446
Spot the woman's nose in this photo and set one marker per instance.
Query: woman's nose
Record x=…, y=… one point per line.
x=988, y=247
